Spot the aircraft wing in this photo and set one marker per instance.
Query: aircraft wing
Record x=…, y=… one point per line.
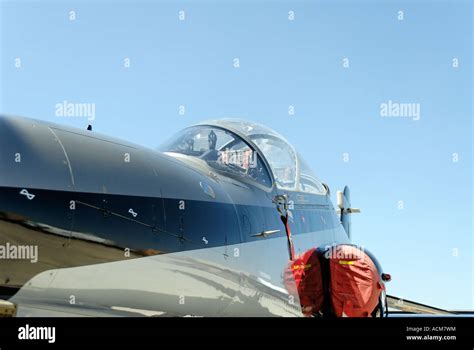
x=403, y=306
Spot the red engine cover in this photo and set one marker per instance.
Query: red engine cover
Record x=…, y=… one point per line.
x=304, y=274
x=355, y=282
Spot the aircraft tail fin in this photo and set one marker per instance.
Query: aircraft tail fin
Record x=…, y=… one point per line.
x=345, y=209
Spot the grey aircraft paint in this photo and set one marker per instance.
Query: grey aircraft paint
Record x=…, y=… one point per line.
x=125, y=230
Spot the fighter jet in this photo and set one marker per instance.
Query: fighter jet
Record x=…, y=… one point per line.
x=223, y=219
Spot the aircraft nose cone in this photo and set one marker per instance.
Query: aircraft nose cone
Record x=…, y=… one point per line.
x=84, y=198
x=34, y=219
x=31, y=155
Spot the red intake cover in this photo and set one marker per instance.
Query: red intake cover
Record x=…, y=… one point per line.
x=355, y=282
x=304, y=274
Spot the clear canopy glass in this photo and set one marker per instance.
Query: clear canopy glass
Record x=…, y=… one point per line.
x=214, y=144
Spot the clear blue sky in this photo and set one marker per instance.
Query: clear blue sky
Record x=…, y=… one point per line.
x=284, y=63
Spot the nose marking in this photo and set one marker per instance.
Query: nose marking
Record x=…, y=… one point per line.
x=28, y=195
x=132, y=212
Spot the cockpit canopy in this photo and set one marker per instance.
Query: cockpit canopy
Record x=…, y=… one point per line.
x=237, y=146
